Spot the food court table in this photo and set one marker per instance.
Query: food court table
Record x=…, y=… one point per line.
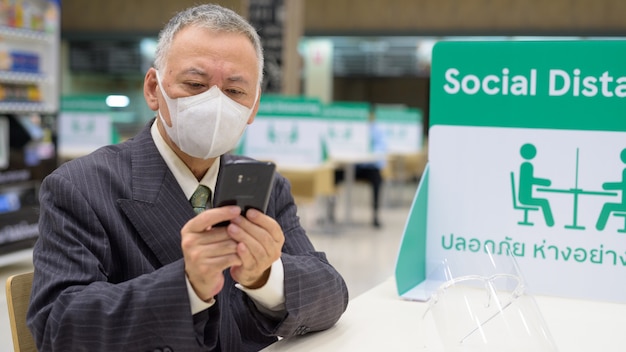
x=379, y=320
x=348, y=162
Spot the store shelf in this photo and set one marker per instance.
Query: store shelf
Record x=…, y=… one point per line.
x=25, y=34
x=42, y=73
x=26, y=107
x=29, y=105
x=22, y=77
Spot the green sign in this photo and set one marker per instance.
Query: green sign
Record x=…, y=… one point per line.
x=581, y=85
x=527, y=155
x=398, y=114
x=402, y=127
x=347, y=128
x=286, y=130
x=96, y=104
x=352, y=111
x=289, y=106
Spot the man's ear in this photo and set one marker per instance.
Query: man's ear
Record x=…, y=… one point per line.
x=150, y=87
x=256, y=107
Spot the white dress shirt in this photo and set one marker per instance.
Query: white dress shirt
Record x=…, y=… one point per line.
x=269, y=298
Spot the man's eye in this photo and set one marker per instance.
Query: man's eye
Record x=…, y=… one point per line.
x=195, y=85
x=234, y=92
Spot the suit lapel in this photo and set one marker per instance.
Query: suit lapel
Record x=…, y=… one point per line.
x=158, y=208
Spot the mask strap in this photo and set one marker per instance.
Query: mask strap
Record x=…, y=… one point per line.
x=256, y=96
x=158, y=77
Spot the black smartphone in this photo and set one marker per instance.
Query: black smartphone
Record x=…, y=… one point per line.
x=246, y=183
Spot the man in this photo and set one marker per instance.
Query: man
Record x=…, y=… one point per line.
x=123, y=263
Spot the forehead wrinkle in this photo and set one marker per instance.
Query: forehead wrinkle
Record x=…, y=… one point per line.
x=194, y=71
x=237, y=78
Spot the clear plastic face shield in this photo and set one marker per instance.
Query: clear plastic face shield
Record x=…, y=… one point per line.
x=487, y=311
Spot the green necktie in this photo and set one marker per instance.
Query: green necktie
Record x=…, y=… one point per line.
x=201, y=199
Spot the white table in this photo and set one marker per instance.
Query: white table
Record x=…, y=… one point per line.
x=379, y=320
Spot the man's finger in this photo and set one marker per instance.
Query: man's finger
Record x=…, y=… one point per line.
x=258, y=218
x=208, y=218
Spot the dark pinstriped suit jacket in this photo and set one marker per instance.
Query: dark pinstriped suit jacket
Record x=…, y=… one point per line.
x=109, y=273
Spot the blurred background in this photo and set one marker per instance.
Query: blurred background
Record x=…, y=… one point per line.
x=71, y=76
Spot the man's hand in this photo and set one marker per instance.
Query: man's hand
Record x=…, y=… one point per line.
x=259, y=243
x=209, y=250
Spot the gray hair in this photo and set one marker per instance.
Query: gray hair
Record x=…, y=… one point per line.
x=212, y=17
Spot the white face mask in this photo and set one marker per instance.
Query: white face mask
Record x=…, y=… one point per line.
x=205, y=125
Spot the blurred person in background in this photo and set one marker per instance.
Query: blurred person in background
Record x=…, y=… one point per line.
x=369, y=172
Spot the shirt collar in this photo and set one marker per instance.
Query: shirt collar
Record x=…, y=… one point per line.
x=183, y=175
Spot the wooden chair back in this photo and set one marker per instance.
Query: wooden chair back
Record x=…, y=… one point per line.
x=18, y=289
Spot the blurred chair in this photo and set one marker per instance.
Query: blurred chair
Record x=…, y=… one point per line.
x=402, y=169
x=18, y=289
x=310, y=185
